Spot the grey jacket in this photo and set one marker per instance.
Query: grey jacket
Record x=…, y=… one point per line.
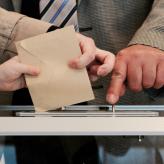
x=118, y=23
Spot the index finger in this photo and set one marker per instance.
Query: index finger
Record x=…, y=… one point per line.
x=117, y=81
x=107, y=59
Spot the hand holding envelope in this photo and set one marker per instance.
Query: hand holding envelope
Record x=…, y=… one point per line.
x=57, y=85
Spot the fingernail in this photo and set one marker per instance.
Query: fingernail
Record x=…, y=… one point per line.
x=111, y=98
x=93, y=78
x=72, y=64
x=101, y=72
x=77, y=63
x=104, y=66
x=36, y=71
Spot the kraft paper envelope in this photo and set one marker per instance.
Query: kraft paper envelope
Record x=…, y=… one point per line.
x=57, y=85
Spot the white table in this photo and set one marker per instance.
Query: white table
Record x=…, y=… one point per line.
x=82, y=125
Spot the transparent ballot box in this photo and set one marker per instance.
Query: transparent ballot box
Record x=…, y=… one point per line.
x=83, y=120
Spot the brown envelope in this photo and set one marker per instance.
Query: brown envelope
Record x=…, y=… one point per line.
x=57, y=85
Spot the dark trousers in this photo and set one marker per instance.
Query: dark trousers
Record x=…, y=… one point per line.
x=53, y=149
x=57, y=149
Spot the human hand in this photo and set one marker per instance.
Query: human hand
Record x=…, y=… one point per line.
x=99, y=62
x=140, y=66
x=11, y=74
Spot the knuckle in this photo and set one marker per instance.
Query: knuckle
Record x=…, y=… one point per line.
x=136, y=56
x=122, y=56
x=121, y=53
x=117, y=74
x=127, y=54
x=91, y=40
x=91, y=57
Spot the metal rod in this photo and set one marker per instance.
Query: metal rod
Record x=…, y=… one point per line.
x=113, y=108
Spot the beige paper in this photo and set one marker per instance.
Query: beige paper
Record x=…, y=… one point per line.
x=57, y=85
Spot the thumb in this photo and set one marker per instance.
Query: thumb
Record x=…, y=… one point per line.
x=28, y=69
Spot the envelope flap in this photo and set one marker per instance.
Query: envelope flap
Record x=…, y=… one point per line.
x=42, y=45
